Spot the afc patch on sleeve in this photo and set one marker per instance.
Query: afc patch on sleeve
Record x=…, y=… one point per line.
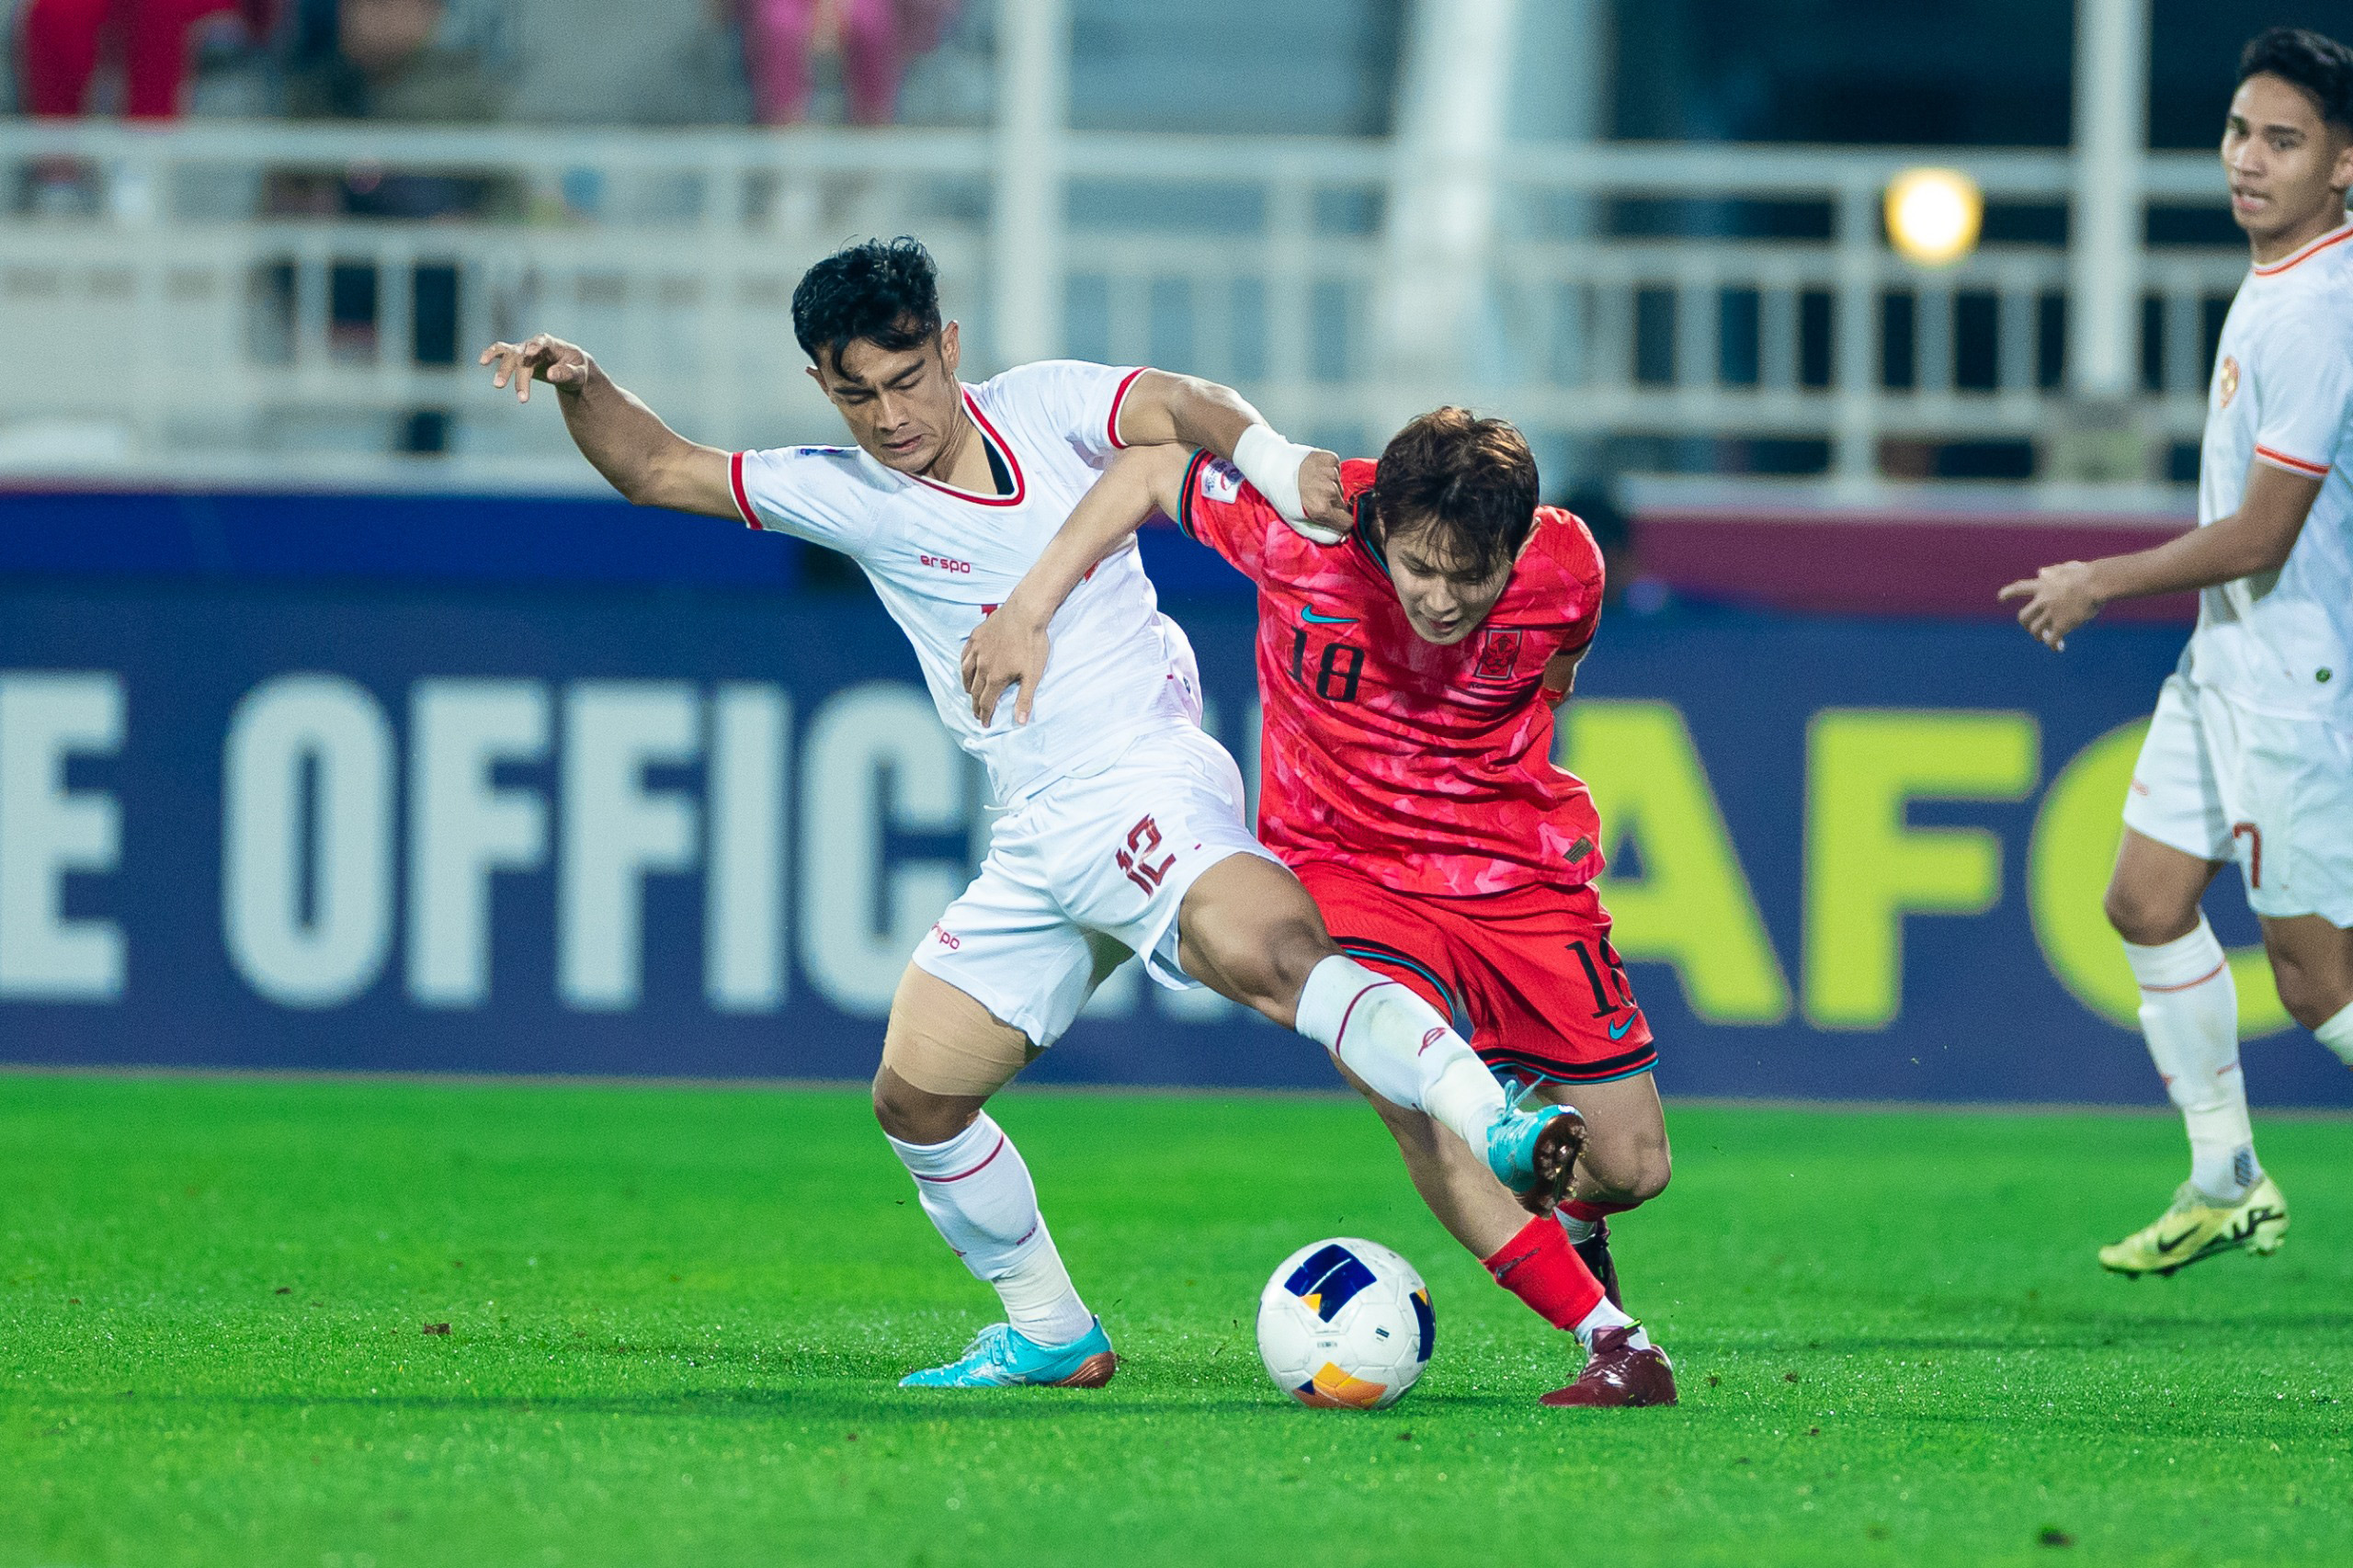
x=1221, y=480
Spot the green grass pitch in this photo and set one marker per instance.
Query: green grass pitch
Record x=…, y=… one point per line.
x=676, y=1315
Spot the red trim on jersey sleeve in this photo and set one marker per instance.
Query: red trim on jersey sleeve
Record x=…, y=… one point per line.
x=2293, y=465
x=1118, y=401
x=736, y=483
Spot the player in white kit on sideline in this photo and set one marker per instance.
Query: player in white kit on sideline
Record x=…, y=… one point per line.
x=2250, y=755
x=1123, y=827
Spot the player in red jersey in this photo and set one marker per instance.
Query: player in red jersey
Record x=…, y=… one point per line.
x=1409, y=674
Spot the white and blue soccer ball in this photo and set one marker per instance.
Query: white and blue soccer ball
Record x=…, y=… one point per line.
x=1346, y=1323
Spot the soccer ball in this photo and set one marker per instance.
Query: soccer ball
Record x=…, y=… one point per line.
x=1346, y=1323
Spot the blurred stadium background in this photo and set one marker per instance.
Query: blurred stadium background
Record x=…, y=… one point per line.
x=346, y=722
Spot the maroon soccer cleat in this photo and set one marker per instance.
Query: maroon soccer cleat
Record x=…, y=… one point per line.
x=1594, y=1251
x=1617, y=1376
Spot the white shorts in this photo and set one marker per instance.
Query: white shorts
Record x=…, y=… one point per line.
x=2220, y=781
x=1086, y=872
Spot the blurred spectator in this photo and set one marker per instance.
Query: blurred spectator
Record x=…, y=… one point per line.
x=876, y=39
x=61, y=42
x=625, y=62
x=1625, y=586
x=386, y=64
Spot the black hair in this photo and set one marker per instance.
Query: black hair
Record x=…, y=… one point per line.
x=885, y=293
x=1470, y=480
x=2303, y=58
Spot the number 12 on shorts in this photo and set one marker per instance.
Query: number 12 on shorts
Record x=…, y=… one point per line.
x=1143, y=839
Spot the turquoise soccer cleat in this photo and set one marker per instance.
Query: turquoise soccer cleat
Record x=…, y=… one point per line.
x=1000, y=1357
x=1533, y=1153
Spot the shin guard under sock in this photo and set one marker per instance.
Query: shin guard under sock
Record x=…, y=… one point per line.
x=977, y=1191
x=1396, y=1043
x=2189, y=1016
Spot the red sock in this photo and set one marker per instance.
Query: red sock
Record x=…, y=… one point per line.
x=1577, y=1209
x=1540, y=1267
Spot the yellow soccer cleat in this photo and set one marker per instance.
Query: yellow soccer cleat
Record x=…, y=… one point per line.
x=2196, y=1226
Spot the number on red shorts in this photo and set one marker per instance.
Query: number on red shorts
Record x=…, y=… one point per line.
x=1614, y=968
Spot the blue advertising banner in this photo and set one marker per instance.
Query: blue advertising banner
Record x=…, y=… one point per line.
x=688, y=829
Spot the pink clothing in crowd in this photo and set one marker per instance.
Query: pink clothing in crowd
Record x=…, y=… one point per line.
x=876, y=39
x=61, y=41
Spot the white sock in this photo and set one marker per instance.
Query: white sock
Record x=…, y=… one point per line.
x=1605, y=1315
x=977, y=1190
x=1395, y=1041
x=2338, y=1034
x=2189, y=1016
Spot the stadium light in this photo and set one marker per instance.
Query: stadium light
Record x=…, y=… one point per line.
x=1933, y=215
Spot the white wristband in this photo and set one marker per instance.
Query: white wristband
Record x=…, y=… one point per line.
x=1271, y=464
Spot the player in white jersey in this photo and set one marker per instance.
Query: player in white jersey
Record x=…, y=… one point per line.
x=1123, y=829
x=2250, y=755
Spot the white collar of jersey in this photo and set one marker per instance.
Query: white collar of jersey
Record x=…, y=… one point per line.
x=2337, y=235
x=1005, y=449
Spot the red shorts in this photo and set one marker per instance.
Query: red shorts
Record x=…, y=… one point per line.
x=1528, y=975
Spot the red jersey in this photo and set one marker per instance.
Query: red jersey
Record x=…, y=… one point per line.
x=1427, y=769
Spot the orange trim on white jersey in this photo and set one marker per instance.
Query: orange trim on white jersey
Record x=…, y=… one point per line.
x=2293, y=465
x=2335, y=236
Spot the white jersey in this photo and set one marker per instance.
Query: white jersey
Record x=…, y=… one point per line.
x=2281, y=641
x=942, y=559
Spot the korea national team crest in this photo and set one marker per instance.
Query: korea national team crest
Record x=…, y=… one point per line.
x=2226, y=378
x=1498, y=654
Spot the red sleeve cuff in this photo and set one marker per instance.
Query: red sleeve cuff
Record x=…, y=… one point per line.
x=1118, y=401
x=2293, y=465
x=736, y=483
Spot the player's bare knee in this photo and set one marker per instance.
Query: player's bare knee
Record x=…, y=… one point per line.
x=1295, y=946
x=893, y=1111
x=1268, y=967
x=1624, y=1171
x=918, y=1116
x=2309, y=1000
x=2147, y=920
x=1626, y=1185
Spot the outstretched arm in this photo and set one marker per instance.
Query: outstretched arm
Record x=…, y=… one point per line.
x=2257, y=537
x=640, y=457
x=1011, y=647
x=1303, y=481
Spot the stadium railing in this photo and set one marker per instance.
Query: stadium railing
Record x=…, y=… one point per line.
x=162, y=324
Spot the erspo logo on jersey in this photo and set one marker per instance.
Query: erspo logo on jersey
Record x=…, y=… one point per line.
x=947, y=563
